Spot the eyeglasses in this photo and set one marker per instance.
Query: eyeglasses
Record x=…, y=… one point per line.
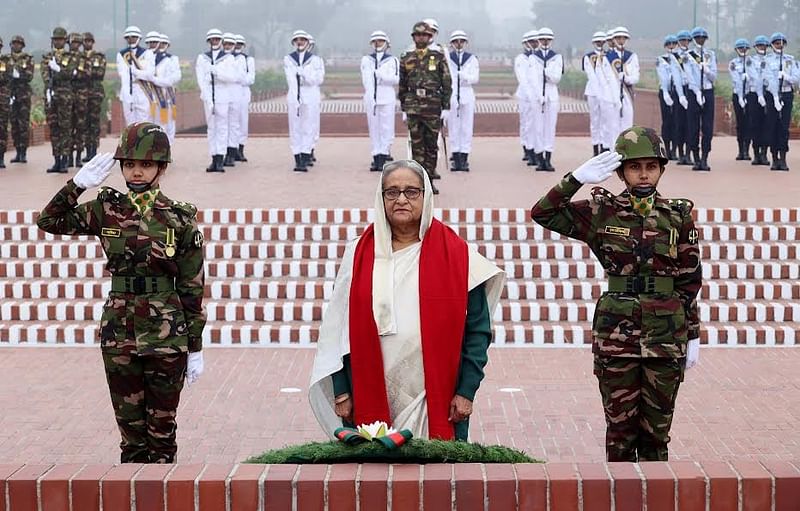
x=394, y=193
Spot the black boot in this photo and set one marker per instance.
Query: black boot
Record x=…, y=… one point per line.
x=746, y=151
x=78, y=161
x=56, y=165
x=229, y=159
x=454, y=162
x=63, y=167
x=696, y=156
x=741, y=155
x=756, y=155
x=88, y=154
x=381, y=161
x=237, y=155
x=300, y=163
x=313, y=158
x=595, y=149
x=241, y=153
x=308, y=159
x=548, y=165
x=20, y=156
x=539, y=159
x=764, y=159
x=784, y=166
x=532, y=160
x=702, y=164
x=373, y=167
x=70, y=160
x=464, y=162
x=216, y=164
x=526, y=156
x=2, y=160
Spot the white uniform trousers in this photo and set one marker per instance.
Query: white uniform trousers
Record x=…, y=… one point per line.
x=137, y=110
x=459, y=125
x=545, y=120
x=526, y=131
x=596, y=124
x=244, y=116
x=303, y=127
x=617, y=123
x=217, y=122
x=234, y=122
x=380, y=122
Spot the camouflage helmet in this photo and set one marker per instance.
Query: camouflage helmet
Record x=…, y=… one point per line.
x=88, y=36
x=421, y=27
x=76, y=37
x=59, y=33
x=143, y=141
x=18, y=39
x=640, y=142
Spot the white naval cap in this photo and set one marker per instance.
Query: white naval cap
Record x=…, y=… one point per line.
x=163, y=38
x=214, y=33
x=458, y=34
x=297, y=34
x=378, y=35
x=152, y=37
x=229, y=37
x=132, y=31
x=621, y=31
x=599, y=36
x=530, y=35
x=546, y=33
x=240, y=39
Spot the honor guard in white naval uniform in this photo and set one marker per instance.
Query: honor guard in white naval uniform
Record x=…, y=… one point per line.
x=165, y=76
x=737, y=69
x=681, y=115
x=380, y=74
x=524, y=94
x=244, y=108
x=547, y=69
x=759, y=97
x=465, y=72
x=594, y=91
x=133, y=67
x=785, y=75
x=312, y=47
x=151, y=41
x=235, y=104
x=670, y=92
x=218, y=79
x=702, y=73
x=621, y=69
x=305, y=73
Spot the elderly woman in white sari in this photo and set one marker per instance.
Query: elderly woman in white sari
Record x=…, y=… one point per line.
x=405, y=337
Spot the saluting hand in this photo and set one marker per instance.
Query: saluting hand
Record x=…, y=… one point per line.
x=95, y=171
x=598, y=168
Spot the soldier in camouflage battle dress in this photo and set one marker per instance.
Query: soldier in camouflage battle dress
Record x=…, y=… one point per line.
x=21, y=64
x=153, y=315
x=424, y=92
x=81, y=82
x=57, y=68
x=97, y=66
x=647, y=321
x=5, y=93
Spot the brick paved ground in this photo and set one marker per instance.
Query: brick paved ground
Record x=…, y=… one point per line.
x=341, y=179
x=737, y=403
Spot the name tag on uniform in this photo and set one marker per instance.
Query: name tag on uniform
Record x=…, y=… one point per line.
x=421, y=93
x=618, y=231
x=111, y=232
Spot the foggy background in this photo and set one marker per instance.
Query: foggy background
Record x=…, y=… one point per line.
x=342, y=27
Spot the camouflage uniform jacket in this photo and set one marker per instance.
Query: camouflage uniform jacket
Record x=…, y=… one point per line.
x=97, y=68
x=161, y=323
x=663, y=244
x=23, y=63
x=425, y=83
x=81, y=79
x=61, y=80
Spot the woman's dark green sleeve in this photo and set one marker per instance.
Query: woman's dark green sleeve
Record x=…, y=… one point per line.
x=477, y=336
x=341, y=378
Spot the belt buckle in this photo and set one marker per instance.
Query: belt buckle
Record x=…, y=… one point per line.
x=138, y=285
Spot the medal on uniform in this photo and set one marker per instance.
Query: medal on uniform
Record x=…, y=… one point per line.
x=431, y=63
x=673, y=243
x=170, y=243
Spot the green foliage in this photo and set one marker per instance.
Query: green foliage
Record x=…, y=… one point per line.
x=269, y=80
x=796, y=113
x=414, y=451
x=572, y=80
x=723, y=87
x=38, y=116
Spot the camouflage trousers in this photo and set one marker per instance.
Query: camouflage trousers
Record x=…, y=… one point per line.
x=4, y=113
x=145, y=392
x=639, y=400
x=424, y=134
x=94, y=105
x=21, y=119
x=80, y=102
x=59, y=119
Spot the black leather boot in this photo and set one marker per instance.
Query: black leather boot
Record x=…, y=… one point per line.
x=539, y=161
x=465, y=162
x=548, y=165
x=525, y=150
x=373, y=167
x=595, y=150
x=63, y=167
x=70, y=160
x=703, y=164
x=2, y=160
x=308, y=160
x=78, y=161
x=20, y=156
x=56, y=165
x=230, y=159
x=696, y=156
x=532, y=160
x=300, y=163
x=242, y=157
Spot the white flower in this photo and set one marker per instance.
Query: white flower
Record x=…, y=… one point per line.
x=375, y=430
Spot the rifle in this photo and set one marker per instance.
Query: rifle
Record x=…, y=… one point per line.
x=213, y=88
x=297, y=76
x=544, y=77
x=458, y=84
x=744, y=73
x=702, y=75
x=780, y=83
x=375, y=87
x=621, y=69
x=49, y=92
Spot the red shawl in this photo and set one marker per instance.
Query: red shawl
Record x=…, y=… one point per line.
x=443, y=269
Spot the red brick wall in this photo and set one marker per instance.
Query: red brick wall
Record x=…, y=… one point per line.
x=683, y=485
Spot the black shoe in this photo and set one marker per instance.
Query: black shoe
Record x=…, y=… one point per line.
x=434, y=175
x=532, y=158
x=464, y=162
x=595, y=149
x=56, y=165
x=545, y=165
x=308, y=159
x=88, y=154
x=756, y=156
x=2, y=162
x=242, y=157
x=526, y=156
x=313, y=158
x=776, y=165
x=237, y=153
x=217, y=164
x=382, y=161
x=63, y=168
x=20, y=156
x=373, y=167
x=78, y=162
x=538, y=159
x=784, y=166
x=300, y=163
x=70, y=162
x=229, y=160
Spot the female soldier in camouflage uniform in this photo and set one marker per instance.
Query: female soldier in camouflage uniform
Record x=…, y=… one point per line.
x=154, y=313
x=646, y=327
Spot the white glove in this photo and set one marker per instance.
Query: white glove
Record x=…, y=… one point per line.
x=49, y=95
x=15, y=73
x=54, y=65
x=598, y=168
x=213, y=71
x=742, y=103
x=621, y=75
x=95, y=171
x=692, y=353
x=778, y=104
x=684, y=102
x=405, y=118
x=762, y=101
x=783, y=75
x=668, y=100
x=700, y=99
x=444, y=115
x=194, y=366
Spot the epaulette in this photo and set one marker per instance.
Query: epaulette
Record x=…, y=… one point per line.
x=683, y=206
x=601, y=195
x=109, y=194
x=187, y=208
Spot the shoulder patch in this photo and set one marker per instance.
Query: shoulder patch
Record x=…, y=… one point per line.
x=108, y=193
x=601, y=195
x=683, y=206
x=186, y=208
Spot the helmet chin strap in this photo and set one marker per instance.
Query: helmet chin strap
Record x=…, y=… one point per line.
x=642, y=191
x=143, y=187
